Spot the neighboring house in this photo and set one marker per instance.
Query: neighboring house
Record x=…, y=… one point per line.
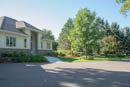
x=20, y=36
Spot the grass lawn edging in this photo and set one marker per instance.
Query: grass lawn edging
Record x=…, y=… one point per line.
x=78, y=59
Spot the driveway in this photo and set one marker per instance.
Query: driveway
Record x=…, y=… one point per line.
x=90, y=74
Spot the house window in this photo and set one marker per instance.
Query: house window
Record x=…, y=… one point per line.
x=48, y=45
x=25, y=43
x=10, y=41
x=41, y=44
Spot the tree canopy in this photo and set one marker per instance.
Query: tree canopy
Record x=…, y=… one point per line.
x=90, y=35
x=48, y=33
x=125, y=5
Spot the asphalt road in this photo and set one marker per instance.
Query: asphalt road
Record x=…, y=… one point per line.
x=90, y=74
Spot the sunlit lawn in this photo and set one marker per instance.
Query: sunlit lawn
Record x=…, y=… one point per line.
x=77, y=59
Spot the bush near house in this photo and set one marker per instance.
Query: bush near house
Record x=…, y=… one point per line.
x=36, y=58
x=21, y=57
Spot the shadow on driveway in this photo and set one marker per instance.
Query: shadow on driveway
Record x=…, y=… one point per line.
x=34, y=75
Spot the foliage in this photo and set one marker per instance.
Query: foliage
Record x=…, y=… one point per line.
x=110, y=45
x=92, y=35
x=55, y=45
x=85, y=30
x=13, y=54
x=125, y=7
x=64, y=42
x=53, y=53
x=36, y=58
x=48, y=34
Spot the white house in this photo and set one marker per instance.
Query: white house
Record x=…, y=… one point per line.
x=21, y=36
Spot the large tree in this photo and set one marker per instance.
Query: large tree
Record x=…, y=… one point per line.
x=126, y=40
x=48, y=33
x=64, y=42
x=110, y=45
x=85, y=31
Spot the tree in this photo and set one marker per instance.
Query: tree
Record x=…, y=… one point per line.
x=126, y=40
x=55, y=45
x=115, y=29
x=85, y=31
x=48, y=34
x=110, y=45
x=64, y=42
x=125, y=7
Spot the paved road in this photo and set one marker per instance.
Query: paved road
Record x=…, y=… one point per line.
x=91, y=74
x=53, y=59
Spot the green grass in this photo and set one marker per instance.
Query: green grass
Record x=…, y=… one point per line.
x=77, y=59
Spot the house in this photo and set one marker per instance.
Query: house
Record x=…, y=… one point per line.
x=20, y=36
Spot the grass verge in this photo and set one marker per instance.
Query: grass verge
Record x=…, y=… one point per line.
x=78, y=59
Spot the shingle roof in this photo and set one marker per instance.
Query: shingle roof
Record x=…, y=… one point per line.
x=12, y=25
x=22, y=24
x=9, y=24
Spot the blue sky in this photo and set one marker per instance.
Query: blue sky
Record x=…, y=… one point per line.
x=52, y=14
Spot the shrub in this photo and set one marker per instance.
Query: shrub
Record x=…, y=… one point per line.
x=61, y=54
x=54, y=53
x=22, y=54
x=15, y=54
x=87, y=57
x=36, y=58
x=7, y=54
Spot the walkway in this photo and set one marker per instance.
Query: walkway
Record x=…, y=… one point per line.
x=53, y=59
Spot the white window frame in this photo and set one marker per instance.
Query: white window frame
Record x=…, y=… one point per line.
x=48, y=45
x=11, y=41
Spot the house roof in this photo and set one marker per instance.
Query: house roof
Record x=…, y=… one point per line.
x=10, y=24
x=23, y=24
x=46, y=38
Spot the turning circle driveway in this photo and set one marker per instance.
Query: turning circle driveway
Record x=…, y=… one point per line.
x=89, y=74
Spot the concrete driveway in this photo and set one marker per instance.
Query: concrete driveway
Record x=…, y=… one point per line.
x=91, y=74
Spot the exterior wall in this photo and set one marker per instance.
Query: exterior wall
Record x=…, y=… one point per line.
x=28, y=32
x=19, y=41
x=39, y=41
x=44, y=44
x=44, y=52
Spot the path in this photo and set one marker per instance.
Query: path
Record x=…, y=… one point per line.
x=53, y=59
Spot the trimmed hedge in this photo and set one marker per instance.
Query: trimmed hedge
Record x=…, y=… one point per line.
x=36, y=58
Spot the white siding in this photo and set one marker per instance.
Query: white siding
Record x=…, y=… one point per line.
x=39, y=41
x=19, y=41
x=28, y=32
x=44, y=42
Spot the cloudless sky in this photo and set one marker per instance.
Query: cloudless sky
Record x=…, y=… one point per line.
x=53, y=14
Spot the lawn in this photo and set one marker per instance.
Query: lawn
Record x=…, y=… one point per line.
x=77, y=59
